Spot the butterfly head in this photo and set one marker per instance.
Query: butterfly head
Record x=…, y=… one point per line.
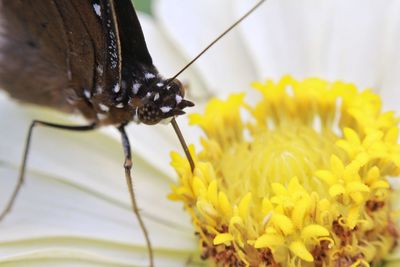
x=163, y=102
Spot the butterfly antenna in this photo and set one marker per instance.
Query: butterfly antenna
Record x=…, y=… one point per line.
x=218, y=38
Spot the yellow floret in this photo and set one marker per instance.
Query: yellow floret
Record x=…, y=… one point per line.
x=299, y=179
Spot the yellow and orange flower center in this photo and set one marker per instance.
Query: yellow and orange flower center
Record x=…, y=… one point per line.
x=299, y=179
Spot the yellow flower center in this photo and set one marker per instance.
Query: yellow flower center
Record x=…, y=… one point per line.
x=299, y=179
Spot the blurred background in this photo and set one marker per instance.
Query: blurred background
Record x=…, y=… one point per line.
x=143, y=5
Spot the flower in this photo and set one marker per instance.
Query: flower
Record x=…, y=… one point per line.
x=74, y=207
x=302, y=181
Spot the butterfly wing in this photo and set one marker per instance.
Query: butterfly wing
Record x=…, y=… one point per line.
x=33, y=52
x=57, y=53
x=72, y=54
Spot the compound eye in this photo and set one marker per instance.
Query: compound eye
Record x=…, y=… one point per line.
x=178, y=86
x=149, y=114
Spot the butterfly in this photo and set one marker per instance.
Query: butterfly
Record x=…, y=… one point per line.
x=90, y=57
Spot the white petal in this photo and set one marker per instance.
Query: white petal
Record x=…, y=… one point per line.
x=168, y=59
x=354, y=41
x=192, y=25
x=50, y=214
x=361, y=38
x=283, y=36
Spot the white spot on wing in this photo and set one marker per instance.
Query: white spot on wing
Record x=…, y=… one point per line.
x=104, y=107
x=157, y=96
x=99, y=69
x=97, y=9
x=149, y=75
x=87, y=93
x=120, y=105
x=160, y=84
x=165, y=109
x=135, y=88
x=101, y=116
x=116, y=88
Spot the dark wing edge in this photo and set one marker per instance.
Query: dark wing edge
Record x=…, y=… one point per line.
x=133, y=43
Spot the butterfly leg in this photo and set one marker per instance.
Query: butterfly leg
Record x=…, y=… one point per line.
x=128, y=166
x=21, y=176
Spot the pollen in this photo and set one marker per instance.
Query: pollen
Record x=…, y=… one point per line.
x=301, y=178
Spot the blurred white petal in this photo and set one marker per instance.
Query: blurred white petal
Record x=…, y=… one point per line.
x=192, y=25
x=75, y=197
x=168, y=59
x=285, y=36
x=355, y=41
